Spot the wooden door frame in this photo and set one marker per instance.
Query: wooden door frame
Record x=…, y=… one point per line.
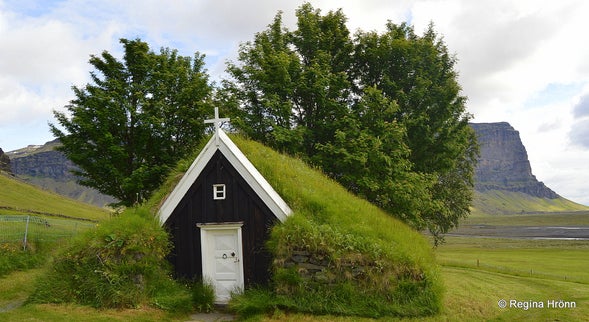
x=205, y=230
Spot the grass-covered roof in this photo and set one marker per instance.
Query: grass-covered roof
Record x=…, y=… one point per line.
x=394, y=268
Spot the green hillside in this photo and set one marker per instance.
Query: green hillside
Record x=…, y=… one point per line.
x=502, y=202
x=19, y=197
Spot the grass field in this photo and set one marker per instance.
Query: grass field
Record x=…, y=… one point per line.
x=476, y=272
x=510, y=202
x=571, y=218
x=472, y=292
x=17, y=197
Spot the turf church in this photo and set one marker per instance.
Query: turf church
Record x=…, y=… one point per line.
x=219, y=216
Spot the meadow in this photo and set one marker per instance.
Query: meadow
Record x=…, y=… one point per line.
x=476, y=272
x=525, y=271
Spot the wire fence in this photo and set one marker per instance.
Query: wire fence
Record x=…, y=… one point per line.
x=479, y=265
x=27, y=228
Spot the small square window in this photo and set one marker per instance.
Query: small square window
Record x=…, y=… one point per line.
x=218, y=191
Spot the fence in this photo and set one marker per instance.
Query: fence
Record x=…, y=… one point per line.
x=510, y=270
x=26, y=228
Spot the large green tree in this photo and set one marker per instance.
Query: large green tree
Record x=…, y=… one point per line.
x=135, y=119
x=380, y=112
x=419, y=74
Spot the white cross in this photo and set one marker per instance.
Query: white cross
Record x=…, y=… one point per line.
x=217, y=122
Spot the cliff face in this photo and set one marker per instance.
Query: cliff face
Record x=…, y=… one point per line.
x=503, y=162
x=48, y=164
x=49, y=169
x=4, y=162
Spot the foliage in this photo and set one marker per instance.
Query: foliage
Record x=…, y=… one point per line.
x=14, y=258
x=203, y=296
x=120, y=264
x=136, y=118
x=380, y=113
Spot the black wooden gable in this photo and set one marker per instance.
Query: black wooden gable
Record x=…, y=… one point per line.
x=222, y=189
x=241, y=204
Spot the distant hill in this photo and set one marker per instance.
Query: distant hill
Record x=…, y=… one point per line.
x=49, y=169
x=17, y=197
x=504, y=182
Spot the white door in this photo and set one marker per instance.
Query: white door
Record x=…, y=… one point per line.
x=221, y=259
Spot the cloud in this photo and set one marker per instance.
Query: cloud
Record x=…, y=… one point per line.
x=579, y=133
x=509, y=50
x=518, y=61
x=581, y=109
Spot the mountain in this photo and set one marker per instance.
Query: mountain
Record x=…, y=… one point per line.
x=49, y=169
x=4, y=162
x=503, y=162
x=504, y=182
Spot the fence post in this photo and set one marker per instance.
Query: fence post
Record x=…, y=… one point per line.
x=26, y=232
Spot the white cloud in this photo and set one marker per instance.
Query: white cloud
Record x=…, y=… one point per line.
x=524, y=62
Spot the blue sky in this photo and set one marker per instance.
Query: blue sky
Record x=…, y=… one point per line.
x=523, y=62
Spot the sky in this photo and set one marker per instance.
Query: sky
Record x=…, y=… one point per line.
x=525, y=62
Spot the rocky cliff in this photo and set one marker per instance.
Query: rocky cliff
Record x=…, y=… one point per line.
x=42, y=161
x=4, y=162
x=49, y=169
x=503, y=162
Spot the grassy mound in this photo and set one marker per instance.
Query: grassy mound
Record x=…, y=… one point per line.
x=337, y=254
x=120, y=264
x=359, y=260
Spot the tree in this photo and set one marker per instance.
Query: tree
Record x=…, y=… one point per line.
x=134, y=120
x=286, y=89
x=418, y=73
x=380, y=113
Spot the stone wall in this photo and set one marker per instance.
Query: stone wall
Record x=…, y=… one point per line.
x=314, y=268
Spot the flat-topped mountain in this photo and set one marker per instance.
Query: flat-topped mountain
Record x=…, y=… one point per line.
x=504, y=183
x=503, y=162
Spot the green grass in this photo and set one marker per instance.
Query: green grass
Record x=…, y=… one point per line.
x=121, y=264
x=509, y=202
x=401, y=276
x=322, y=200
x=577, y=218
x=550, y=259
x=19, y=197
x=471, y=293
x=328, y=221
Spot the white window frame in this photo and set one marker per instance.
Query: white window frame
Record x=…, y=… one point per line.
x=219, y=191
